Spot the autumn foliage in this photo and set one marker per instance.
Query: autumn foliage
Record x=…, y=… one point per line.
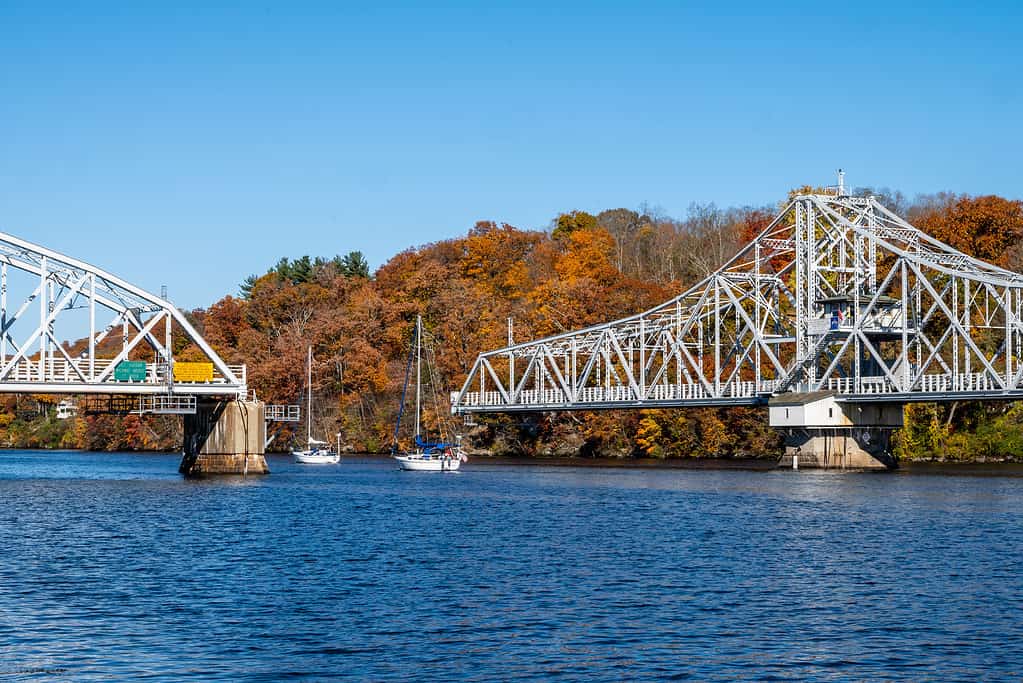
x=584, y=269
x=990, y=228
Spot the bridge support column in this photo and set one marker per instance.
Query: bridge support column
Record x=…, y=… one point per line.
x=821, y=432
x=224, y=437
x=860, y=448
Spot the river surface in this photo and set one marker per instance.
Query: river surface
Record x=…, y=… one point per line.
x=113, y=567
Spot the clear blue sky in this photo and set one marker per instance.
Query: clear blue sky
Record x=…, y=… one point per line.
x=191, y=144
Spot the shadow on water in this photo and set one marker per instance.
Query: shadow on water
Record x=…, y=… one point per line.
x=962, y=469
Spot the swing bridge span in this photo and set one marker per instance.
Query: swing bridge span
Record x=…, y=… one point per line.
x=68, y=327
x=837, y=295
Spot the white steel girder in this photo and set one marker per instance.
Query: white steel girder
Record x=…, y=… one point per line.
x=836, y=294
x=49, y=300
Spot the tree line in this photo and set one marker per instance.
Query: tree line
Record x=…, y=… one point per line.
x=579, y=270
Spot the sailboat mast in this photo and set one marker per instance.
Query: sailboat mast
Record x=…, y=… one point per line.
x=419, y=365
x=309, y=399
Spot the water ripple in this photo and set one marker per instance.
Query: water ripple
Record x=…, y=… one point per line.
x=115, y=568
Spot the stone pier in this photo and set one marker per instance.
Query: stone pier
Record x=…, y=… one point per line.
x=821, y=432
x=225, y=437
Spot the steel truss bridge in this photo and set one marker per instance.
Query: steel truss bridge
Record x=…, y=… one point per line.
x=128, y=336
x=837, y=294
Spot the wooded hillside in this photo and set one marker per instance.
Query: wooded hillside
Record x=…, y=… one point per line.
x=582, y=269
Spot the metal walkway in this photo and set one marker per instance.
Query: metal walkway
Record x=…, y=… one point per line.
x=837, y=293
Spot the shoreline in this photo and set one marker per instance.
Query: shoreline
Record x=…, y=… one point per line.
x=978, y=468
x=916, y=467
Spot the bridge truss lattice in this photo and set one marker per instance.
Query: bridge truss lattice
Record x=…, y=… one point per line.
x=836, y=294
x=48, y=300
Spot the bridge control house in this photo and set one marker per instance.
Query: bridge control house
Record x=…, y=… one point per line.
x=882, y=321
x=879, y=323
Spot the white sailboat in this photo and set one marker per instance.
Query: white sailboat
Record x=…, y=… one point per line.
x=316, y=452
x=426, y=456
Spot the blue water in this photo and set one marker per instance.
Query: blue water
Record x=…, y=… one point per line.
x=113, y=567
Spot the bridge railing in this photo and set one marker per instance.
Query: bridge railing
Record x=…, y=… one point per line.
x=61, y=371
x=926, y=384
x=282, y=413
x=932, y=384
x=868, y=385
x=598, y=396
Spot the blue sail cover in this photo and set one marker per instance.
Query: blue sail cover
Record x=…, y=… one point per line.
x=432, y=446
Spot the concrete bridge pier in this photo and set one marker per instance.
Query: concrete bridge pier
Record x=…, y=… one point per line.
x=224, y=437
x=821, y=432
x=858, y=448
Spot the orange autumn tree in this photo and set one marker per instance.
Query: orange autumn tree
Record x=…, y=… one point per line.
x=989, y=228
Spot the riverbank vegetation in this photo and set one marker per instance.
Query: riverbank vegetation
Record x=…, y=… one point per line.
x=580, y=270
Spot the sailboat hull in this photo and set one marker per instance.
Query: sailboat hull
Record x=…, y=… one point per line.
x=307, y=458
x=419, y=463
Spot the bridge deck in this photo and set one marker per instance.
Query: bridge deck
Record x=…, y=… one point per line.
x=82, y=376
x=868, y=390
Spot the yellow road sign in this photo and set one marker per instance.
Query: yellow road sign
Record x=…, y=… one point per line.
x=193, y=372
